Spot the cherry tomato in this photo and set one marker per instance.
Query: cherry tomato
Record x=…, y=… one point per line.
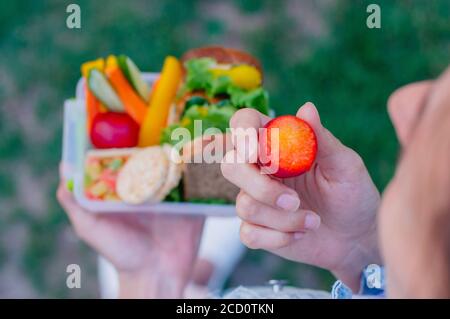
x=114, y=130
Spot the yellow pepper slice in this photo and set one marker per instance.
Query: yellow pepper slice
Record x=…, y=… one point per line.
x=245, y=76
x=162, y=98
x=111, y=62
x=95, y=64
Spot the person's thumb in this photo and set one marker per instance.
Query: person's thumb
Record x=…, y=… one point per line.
x=327, y=144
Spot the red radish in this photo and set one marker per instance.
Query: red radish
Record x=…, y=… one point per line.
x=114, y=130
x=293, y=153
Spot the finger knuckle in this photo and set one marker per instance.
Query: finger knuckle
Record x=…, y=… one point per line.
x=284, y=240
x=267, y=192
x=246, y=207
x=296, y=222
x=248, y=237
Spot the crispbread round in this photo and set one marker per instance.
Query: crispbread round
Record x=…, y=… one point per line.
x=173, y=174
x=143, y=175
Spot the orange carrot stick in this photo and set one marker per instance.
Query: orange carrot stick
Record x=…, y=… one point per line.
x=93, y=107
x=134, y=105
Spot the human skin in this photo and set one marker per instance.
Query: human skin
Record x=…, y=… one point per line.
x=325, y=217
x=414, y=217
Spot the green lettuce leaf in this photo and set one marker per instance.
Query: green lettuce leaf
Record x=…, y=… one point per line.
x=198, y=76
x=212, y=116
x=166, y=135
x=175, y=195
x=219, y=85
x=257, y=98
x=217, y=201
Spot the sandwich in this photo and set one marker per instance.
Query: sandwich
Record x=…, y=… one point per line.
x=216, y=82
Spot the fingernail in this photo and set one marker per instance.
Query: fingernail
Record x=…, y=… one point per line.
x=298, y=235
x=312, y=221
x=288, y=202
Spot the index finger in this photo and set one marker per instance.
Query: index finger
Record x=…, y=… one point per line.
x=244, y=125
x=260, y=186
x=248, y=117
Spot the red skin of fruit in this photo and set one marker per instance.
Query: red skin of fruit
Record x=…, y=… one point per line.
x=297, y=147
x=114, y=130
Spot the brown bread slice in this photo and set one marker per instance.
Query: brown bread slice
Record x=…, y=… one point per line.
x=203, y=180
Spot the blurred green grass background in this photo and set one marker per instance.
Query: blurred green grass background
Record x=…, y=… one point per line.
x=318, y=51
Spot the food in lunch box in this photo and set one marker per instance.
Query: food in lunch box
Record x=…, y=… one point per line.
x=133, y=103
x=132, y=73
x=101, y=170
x=161, y=101
x=292, y=151
x=114, y=130
x=114, y=84
x=100, y=87
x=149, y=175
x=122, y=110
x=204, y=181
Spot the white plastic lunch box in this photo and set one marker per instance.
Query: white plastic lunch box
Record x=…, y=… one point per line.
x=75, y=146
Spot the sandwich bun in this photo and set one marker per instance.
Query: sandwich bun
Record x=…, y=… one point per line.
x=222, y=56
